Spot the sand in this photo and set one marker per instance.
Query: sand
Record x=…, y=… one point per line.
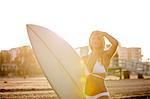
x=39, y=88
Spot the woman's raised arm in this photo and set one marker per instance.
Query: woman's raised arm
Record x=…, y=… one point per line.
x=113, y=47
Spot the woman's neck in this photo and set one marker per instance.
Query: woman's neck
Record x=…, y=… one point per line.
x=98, y=52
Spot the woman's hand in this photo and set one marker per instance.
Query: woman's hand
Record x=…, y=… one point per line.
x=100, y=34
x=104, y=33
x=114, y=44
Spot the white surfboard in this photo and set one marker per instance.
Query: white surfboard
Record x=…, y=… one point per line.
x=59, y=62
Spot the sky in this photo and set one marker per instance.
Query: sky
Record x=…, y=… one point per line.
x=74, y=20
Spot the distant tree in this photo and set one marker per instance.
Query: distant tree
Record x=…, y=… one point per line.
x=24, y=64
x=27, y=63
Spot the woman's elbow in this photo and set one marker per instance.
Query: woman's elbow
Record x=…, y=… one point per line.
x=115, y=43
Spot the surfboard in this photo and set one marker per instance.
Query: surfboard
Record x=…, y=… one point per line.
x=59, y=61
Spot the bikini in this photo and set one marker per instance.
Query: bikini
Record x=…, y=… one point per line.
x=98, y=68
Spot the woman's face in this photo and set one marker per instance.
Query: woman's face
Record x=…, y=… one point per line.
x=97, y=41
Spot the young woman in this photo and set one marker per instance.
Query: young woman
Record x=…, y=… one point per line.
x=97, y=63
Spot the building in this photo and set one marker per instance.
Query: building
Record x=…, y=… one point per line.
x=19, y=61
x=82, y=51
x=13, y=52
x=130, y=54
x=5, y=56
x=123, y=53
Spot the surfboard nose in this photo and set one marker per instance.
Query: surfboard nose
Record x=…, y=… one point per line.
x=35, y=27
x=27, y=25
x=30, y=25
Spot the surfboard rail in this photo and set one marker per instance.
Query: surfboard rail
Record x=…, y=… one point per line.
x=59, y=62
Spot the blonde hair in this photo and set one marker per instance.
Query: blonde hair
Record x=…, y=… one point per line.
x=94, y=33
x=91, y=60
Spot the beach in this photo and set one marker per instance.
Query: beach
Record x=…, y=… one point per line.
x=39, y=88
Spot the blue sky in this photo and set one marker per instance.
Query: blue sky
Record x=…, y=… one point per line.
x=74, y=20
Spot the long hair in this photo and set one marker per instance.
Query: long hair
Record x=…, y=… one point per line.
x=102, y=39
x=91, y=59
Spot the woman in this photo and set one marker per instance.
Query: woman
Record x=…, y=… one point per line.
x=97, y=63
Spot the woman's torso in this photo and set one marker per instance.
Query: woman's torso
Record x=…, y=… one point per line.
x=95, y=84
